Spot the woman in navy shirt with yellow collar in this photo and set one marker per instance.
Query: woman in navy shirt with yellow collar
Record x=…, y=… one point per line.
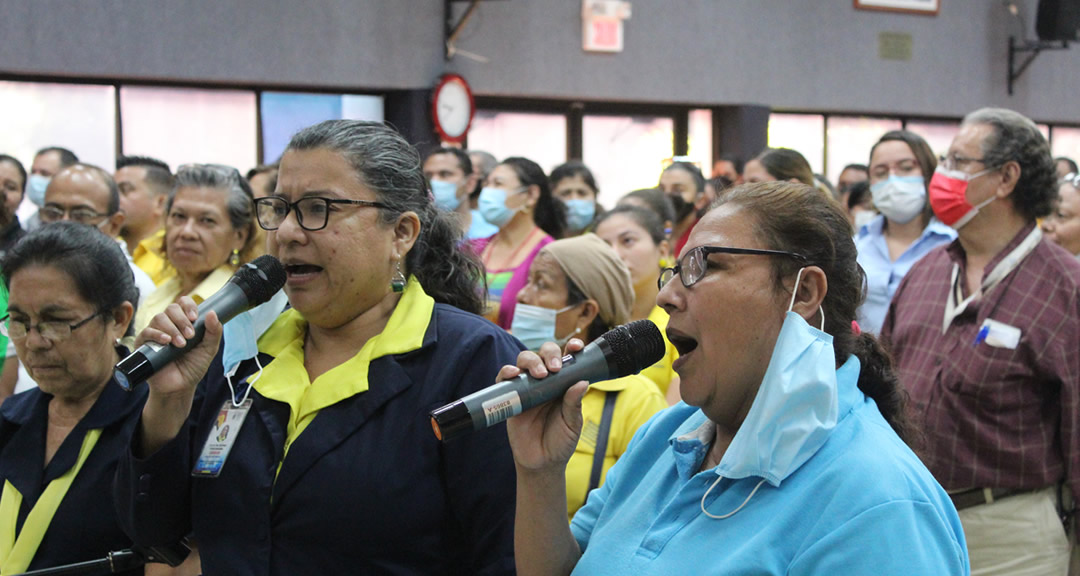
x=329, y=466
x=71, y=299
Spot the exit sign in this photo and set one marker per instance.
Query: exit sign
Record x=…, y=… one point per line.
x=602, y=24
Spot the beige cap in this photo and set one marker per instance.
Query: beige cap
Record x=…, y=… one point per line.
x=599, y=272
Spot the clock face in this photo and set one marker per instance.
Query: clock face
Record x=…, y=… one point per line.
x=453, y=108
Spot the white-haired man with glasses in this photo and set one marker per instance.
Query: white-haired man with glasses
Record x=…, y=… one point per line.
x=985, y=333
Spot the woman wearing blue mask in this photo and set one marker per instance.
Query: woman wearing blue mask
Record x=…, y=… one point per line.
x=517, y=198
x=788, y=455
x=901, y=165
x=573, y=183
x=578, y=287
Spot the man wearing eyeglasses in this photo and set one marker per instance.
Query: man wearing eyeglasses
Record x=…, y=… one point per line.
x=88, y=195
x=985, y=332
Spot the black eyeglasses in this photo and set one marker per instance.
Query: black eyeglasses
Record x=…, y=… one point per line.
x=53, y=331
x=312, y=212
x=694, y=264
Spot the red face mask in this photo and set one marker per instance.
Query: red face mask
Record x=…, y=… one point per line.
x=948, y=196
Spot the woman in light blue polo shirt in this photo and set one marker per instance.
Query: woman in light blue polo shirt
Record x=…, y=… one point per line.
x=787, y=454
x=901, y=165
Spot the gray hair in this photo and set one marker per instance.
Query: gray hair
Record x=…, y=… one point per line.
x=387, y=164
x=239, y=201
x=1017, y=139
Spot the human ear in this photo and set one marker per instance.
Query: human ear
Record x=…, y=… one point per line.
x=810, y=294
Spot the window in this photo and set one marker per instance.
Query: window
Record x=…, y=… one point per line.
x=849, y=140
x=285, y=113
x=181, y=125
x=538, y=137
x=939, y=135
x=801, y=132
x=1065, y=142
x=626, y=152
x=700, y=146
x=79, y=117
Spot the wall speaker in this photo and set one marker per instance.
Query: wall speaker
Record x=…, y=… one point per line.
x=1058, y=20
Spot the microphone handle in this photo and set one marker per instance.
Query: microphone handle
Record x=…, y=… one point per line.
x=494, y=404
x=152, y=356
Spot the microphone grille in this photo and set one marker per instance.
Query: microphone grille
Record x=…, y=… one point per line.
x=260, y=279
x=635, y=346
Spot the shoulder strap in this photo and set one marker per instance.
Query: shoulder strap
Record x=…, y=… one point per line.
x=601, y=440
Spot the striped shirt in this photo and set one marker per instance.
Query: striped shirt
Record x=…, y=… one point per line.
x=993, y=416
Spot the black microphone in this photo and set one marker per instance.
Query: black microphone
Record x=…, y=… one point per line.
x=621, y=351
x=254, y=283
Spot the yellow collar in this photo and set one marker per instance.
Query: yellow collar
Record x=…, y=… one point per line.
x=286, y=380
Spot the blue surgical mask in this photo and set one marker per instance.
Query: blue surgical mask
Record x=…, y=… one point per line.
x=795, y=409
x=241, y=336
x=35, y=189
x=445, y=195
x=579, y=214
x=492, y=205
x=534, y=325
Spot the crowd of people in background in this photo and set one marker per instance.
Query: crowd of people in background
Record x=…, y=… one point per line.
x=895, y=356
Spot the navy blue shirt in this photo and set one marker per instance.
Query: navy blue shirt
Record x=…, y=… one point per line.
x=85, y=526
x=366, y=489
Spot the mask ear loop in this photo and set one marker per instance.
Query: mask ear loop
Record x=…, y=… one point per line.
x=251, y=384
x=794, y=292
x=732, y=513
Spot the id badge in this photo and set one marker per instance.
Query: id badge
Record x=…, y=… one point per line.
x=221, y=439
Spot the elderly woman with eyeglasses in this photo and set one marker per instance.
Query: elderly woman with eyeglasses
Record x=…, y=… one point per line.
x=787, y=455
x=72, y=297
x=209, y=231
x=314, y=454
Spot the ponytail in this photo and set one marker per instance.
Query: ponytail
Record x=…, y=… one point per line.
x=448, y=272
x=878, y=380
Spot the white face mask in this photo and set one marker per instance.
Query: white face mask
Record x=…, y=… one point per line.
x=900, y=198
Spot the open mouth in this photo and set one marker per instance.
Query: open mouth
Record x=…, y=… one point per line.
x=683, y=343
x=302, y=269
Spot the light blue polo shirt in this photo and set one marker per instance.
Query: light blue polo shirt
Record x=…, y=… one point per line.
x=883, y=276
x=862, y=504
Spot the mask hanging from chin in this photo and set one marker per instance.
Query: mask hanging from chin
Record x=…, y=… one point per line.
x=795, y=408
x=948, y=196
x=534, y=325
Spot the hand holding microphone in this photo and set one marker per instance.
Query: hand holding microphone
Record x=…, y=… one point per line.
x=621, y=351
x=176, y=349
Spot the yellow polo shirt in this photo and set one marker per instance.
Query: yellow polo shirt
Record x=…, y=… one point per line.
x=638, y=400
x=168, y=292
x=662, y=373
x=286, y=380
x=149, y=257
